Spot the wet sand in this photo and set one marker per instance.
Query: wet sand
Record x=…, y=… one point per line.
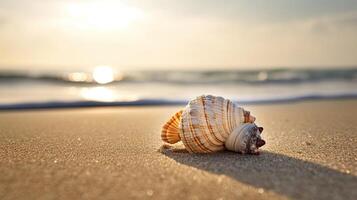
x=115, y=153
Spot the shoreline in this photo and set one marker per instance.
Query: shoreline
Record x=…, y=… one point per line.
x=162, y=102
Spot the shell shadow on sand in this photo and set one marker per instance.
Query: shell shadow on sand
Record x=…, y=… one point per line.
x=279, y=173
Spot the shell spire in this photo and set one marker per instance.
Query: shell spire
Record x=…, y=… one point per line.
x=170, y=131
x=245, y=139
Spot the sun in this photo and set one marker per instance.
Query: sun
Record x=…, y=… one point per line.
x=103, y=74
x=102, y=15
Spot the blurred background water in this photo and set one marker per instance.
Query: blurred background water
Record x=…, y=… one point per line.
x=106, y=85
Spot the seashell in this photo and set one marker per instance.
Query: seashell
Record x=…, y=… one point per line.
x=210, y=123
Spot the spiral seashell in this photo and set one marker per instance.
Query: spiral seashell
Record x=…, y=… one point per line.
x=207, y=123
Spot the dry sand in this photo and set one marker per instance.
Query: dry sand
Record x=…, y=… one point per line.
x=112, y=153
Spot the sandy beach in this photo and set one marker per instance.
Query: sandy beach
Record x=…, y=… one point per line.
x=116, y=153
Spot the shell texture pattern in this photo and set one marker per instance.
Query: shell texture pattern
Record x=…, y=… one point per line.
x=206, y=124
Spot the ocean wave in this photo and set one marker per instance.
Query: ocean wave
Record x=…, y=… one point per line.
x=164, y=102
x=273, y=76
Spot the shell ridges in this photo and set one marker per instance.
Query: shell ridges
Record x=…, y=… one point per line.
x=170, y=130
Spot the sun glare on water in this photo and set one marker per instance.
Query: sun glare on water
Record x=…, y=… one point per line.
x=103, y=74
x=98, y=94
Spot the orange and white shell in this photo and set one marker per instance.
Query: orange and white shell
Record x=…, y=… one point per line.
x=205, y=124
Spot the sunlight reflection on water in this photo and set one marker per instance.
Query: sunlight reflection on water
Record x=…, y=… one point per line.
x=104, y=94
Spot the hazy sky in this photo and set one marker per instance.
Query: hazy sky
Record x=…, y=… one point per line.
x=190, y=34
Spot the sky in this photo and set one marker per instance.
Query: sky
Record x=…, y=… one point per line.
x=177, y=34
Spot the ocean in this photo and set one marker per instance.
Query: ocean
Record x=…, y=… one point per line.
x=60, y=89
